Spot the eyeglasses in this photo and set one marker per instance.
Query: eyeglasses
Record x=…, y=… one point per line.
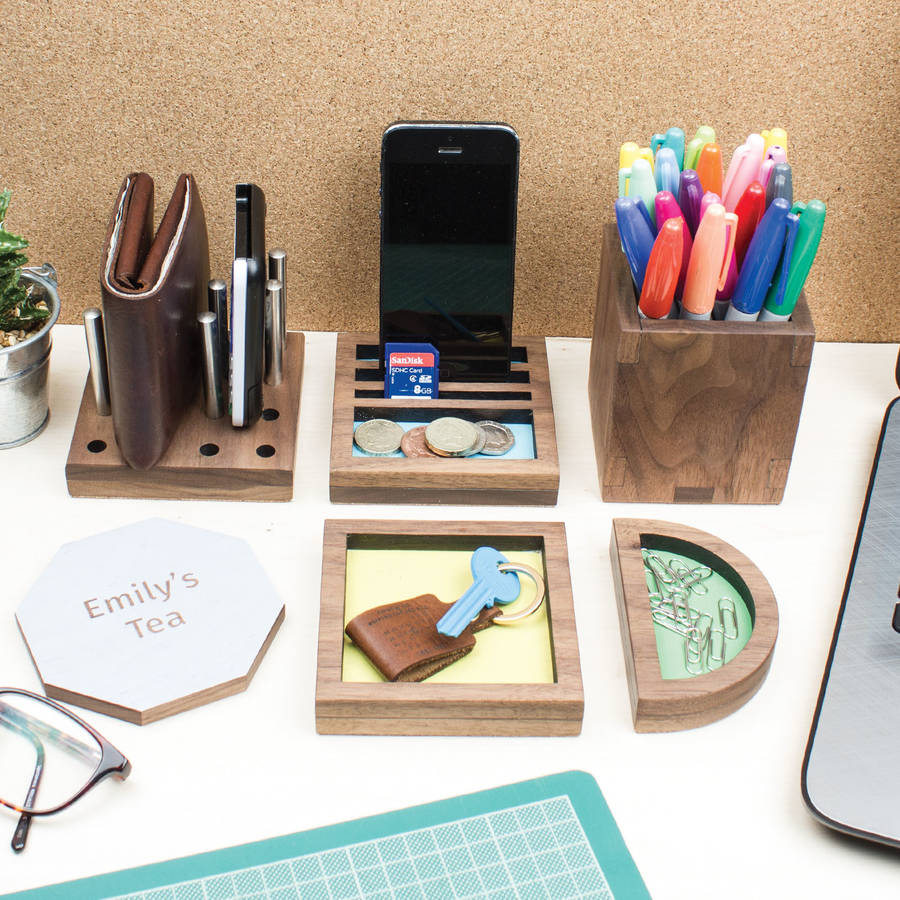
x=48, y=758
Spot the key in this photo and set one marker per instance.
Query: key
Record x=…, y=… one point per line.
x=490, y=586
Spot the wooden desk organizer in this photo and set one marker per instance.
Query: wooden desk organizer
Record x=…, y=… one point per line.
x=208, y=459
x=525, y=397
x=692, y=412
x=659, y=704
x=344, y=707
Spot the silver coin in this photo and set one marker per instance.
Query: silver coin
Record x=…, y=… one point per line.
x=499, y=438
x=449, y=436
x=378, y=437
x=479, y=446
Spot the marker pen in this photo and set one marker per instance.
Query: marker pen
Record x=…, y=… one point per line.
x=709, y=168
x=673, y=139
x=689, y=198
x=667, y=172
x=774, y=154
x=809, y=233
x=704, y=135
x=744, y=168
x=750, y=210
x=708, y=266
x=636, y=237
x=662, y=271
x=639, y=182
x=759, y=264
x=776, y=136
x=666, y=209
x=780, y=184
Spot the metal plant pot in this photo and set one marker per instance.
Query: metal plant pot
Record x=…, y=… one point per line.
x=24, y=368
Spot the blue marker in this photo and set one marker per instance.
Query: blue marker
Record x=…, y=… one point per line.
x=759, y=264
x=674, y=140
x=642, y=209
x=667, y=171
x=636, y=237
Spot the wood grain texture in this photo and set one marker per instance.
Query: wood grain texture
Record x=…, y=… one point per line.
x=498, y=481
x=153, y=714
x=659, y=704
x=695, y=412
x=295, y=96
x=423, y=708
x=236, y=472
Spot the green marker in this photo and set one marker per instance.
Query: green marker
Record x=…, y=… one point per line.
x=809, y=233
x=705, y=135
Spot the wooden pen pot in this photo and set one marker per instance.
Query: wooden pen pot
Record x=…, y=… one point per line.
x=692, y=412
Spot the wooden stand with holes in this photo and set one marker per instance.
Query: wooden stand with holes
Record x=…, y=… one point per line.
x=659, y=704
x=692, y=412
x=208, y=459
x=524, y=398
x=423, y=708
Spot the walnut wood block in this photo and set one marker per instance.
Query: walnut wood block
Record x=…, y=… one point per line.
x=692, y=412
x=659, y=704
x=470, y=709
x=498, y=481
x=236, y=472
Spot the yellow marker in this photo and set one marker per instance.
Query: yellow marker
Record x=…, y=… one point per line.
x=777, y=137
x=629, y=152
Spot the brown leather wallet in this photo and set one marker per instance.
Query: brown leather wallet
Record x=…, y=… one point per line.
x=402, y=640
x=153, y=288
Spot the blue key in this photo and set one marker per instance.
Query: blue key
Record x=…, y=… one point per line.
x=489, y=587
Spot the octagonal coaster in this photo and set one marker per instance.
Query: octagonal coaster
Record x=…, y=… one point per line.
x=147, y=620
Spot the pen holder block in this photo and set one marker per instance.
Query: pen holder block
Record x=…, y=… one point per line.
x=692, y=412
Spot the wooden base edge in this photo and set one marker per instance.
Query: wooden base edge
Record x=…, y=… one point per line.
x=448, y=497
x=437, y=727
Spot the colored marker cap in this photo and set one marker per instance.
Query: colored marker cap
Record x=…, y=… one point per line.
x=636, y=237
x=709, y=168
x=750, y=210
x=667, y=172
x=780, y=184
x=663, y=270
x=762, y=257
x=689, y=198
x=705, y=135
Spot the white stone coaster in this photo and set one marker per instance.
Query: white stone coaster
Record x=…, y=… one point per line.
x=147, y=620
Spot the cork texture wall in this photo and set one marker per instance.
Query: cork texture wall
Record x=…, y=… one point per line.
x=295, y=96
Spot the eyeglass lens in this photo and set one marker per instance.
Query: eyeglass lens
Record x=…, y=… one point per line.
x=46, y=757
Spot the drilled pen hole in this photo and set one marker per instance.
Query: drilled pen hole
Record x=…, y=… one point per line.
x=270, y=414
x=97, y=446
x=265, y=451
x=209, y=449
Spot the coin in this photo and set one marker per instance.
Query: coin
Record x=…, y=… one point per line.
x=378, y=437
x=499, y=438
x=479, y=444
x=413, y=443
x=449, y=436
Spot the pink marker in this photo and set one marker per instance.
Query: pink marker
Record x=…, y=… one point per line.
x=743, y=169
x=667, y=208
x=774, y=154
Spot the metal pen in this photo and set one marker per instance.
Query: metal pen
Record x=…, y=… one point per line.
x=213, y=395
x=96, y=347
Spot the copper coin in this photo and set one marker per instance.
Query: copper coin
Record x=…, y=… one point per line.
x=413, y=443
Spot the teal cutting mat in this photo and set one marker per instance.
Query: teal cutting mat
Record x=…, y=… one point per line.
x=550, y=838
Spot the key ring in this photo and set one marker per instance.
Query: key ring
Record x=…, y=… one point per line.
x=540, y=591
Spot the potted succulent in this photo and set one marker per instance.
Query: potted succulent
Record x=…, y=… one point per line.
x=29, y=307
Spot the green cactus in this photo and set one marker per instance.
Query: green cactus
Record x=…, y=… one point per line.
x=17, y=310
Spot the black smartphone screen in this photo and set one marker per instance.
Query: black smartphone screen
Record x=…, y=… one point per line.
x=448, y=243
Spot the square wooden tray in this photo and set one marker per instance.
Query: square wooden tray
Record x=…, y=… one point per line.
x=208, y=459
x=523, y=398
x=424, y=708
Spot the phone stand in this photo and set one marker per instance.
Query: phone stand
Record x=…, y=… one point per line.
x=523, y=399
x=208, y=459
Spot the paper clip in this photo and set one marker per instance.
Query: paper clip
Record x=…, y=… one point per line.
x=728, y=618
x=660, y=570
x=704, y=626
x=716, y=655
x=693, y=652
x=690, y=578
x=668, y=621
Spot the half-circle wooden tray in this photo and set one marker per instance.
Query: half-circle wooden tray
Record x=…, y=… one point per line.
x=659, y=704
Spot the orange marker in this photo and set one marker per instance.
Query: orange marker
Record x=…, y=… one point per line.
x=663, y=270
x=708, y=266
x=709, y=168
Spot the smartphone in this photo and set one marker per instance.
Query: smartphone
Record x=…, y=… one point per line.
x=448, y=242
x=248, y=298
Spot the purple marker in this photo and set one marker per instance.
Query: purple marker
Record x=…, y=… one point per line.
x=689, y=197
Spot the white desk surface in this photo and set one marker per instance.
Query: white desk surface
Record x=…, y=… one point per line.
x=713, y=812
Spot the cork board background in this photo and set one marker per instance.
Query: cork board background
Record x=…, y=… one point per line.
x=295, y=96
